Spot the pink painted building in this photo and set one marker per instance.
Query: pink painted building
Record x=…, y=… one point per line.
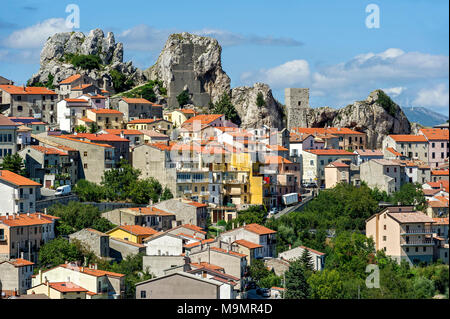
x=438, y=146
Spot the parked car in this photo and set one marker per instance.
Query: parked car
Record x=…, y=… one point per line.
x=265, y=292
x=273, y=211
x=63, y=190
x=259, y=291
x=250, y=285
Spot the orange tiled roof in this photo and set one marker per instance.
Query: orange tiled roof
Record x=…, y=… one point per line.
x=194, y=228
x=48, y=150
x=12, y=89
x=125, y=132
x=204, y=241
x=86, y=120
x=276, y=159
x=338, y=164
x=76, y=100
x=105, y=111
x=25, y=220
x=435, y=134
x=440, y=221
x=66, y=287
x=138, y=230
x=259, y=229
x=393, y=151
x=92, y=272
x=187, y=111
x=151, y=211
x=136, y=100
x=144, y=121
x=408, y=138
x=70, y=79
x=247, y=244
x=16, y=179
x=277, y=148
x=81, y=87
x=207, y=266
x=19, y=262
x=81, y=141
x=97, y=97
x=441, y=172
x=228, y=252
x=99, y=137
x=197, y=204
x=203, y=118
x=442, y=183
x=330, y=152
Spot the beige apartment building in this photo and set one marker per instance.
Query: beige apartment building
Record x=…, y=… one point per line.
x=402, y=233
x=382, y=174
x=106, y=118
x=410, y=146
x=8, y=137
x=335, y=173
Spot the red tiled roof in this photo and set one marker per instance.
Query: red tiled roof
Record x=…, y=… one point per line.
x=205, y=241
x=19, y=262
x=194, y=228
x=207, y=266
x=16, y=179
x=92, y=272
x=440, y=221
x=277, y=148
x=247, y=244
x=197, y=204
x=81, y=87
x=339, y=164
x=151, y=211
x=81, y=141
x=408, y=138
x=442, y=183
x=393, y=151
x=70, y=79
x=97, y=97
x=99, y=137
x=144, y=121
x=435, y=134
x=76, y=100
x=12, y=89
x=441, y=172
x=228, y=252
x=125, y=132
x=276, y=159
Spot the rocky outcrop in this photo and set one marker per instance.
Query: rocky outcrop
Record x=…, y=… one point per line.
x=53, y=58
x=252, y=116
x=377, y=116
x=191, y=62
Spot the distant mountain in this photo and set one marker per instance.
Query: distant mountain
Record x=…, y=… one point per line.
x=424, y=116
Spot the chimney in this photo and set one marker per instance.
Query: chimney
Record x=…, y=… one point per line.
x=28, y=214
x=45, y=211
x=21, y=255
x=39, y=215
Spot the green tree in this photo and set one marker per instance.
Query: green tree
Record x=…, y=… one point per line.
x=120, y=81
x=296, y=285
x=258, y=270
x=145, y=190
x=13, y=163
x=306, y=261
x=411, y=194
x=326, y=284
x=88, y=191
x=423, y=288
x=80, y=129
x=271, y=280
x=57, y=252
x=166, y=194
x=93, y=128
x=85, y=62
x=224, y=106
x=260, y=102
x=183, y=98
x=119, y=182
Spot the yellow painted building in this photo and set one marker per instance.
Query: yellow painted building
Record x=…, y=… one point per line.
x=132, y=233
x=242, y=162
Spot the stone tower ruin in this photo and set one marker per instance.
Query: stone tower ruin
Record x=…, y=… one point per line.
x=297, y=105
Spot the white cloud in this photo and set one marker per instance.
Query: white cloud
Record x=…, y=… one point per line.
x=287, y=74
x=395, y=91
x=35, y=35
x=144, y=38
x=435, y=97
x=227, y=38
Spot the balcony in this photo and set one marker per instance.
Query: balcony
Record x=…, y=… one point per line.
x=416, y=231
x=18, y=197
x=187, y=191
x=417, y=242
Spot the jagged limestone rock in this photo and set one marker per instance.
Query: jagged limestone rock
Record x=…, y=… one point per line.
x=95, y=43
x=192, y=62
x=252, y=116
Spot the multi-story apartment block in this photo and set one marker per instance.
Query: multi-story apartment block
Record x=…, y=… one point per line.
x=23, y=136
x=64, y=88
x=335, y=173
x=8, y=137
x=93, y=158
x=145, y=216
x=314, y=162
x=100, y=284
x=18, y=193
x=367, y=155
x=36, y=125
x=15, y=276
x=402, y=233
x=106, y=118
x=411, y=146
x=69, y=111
x=348, y=139
x=178, y=117
x=38, y=102
x=438, y=146
x=135, y=137
x=23, y=235
x=383, y=174
x=159, y=125
x=139, y=108
x=47, y=165
x=94, y=240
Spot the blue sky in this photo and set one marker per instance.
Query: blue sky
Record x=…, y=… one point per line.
x=323, y=45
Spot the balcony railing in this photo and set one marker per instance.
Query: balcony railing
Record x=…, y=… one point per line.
x=416, y=242
x=424, y=230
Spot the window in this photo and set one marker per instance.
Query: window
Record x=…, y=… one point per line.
x=432, y=145
x=311, y=162
x=85, y=154
x=19, y=108
x=384, y=238
x=424, y=249
x=417, y=249
x=384, y=227
x=387, y=169
x=143, y=294
x=85, y=165
x=407, y=249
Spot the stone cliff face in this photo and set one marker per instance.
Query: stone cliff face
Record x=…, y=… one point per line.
x=95, y=43
x=194, y=63
x=252, y=116
x=377, y=116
